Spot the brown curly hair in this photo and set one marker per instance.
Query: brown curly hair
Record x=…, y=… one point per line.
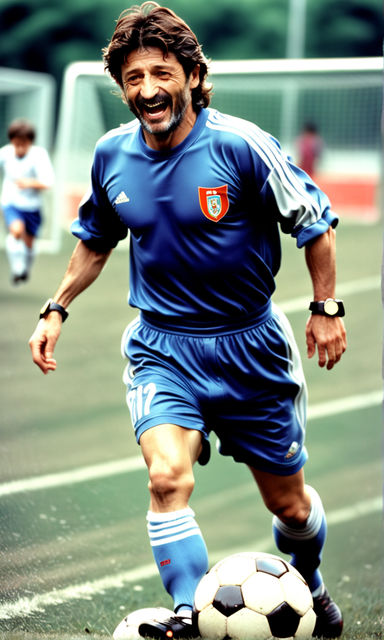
x=151, y=25
x=21, y=128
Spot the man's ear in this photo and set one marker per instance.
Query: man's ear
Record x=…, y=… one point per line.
x=194, y=78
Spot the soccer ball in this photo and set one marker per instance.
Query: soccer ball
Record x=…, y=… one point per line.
x=253, y=596
x=128, y=629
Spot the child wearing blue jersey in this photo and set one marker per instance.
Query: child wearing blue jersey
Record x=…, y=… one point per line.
x=204, y=195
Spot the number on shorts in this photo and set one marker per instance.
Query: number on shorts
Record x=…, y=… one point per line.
x=139, y=400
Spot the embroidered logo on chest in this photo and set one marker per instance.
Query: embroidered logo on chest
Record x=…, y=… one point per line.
x=121, y=198
x=214, y=202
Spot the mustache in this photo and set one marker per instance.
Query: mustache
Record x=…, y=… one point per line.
x=159, y=97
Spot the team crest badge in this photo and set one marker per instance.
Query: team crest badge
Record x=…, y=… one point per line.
x=214, y=202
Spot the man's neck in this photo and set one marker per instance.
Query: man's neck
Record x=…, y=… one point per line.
x=164, y=142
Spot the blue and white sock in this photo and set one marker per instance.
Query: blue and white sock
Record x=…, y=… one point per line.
x=305, y=544
x=180, y=554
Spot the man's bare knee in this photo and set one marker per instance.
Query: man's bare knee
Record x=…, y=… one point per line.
x=168, y=482
x=292, y=512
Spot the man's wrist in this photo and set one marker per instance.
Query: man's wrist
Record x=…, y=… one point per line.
x=49, y=306
x=330, y=307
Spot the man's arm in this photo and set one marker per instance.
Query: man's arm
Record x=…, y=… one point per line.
x=328, y=334
x=84, y=267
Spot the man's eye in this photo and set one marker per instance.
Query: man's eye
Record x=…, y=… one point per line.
x=132, y=80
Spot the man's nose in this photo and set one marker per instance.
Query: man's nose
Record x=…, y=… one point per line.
x=148, y=87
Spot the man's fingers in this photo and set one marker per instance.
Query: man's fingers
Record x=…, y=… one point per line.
x=328, y=337
x=335, y=351
x=311, y=345
x=50, y=363
x=322, y=355
x=42, y=347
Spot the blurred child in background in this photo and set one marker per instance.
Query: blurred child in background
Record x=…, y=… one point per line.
x=27, y=172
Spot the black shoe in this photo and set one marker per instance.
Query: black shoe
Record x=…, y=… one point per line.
x=329, y=623
x=175, y=627
x=22, y=277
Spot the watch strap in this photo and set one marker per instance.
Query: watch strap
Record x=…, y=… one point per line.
x=331, y=307
x=51, y=305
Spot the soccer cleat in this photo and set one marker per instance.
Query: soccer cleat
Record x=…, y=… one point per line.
x=128, y=627
x=174, y=627
x=329, y=622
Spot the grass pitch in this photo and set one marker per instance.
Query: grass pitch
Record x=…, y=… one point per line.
x=56, y=540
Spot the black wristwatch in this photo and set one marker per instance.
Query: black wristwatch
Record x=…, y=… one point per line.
x=329, y=307
x=49, y=306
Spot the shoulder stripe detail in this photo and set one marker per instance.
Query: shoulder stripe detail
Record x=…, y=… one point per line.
x=269, y=153
x=124, y=129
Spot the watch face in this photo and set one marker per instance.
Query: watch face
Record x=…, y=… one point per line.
x=331, y=307
x=45, y=307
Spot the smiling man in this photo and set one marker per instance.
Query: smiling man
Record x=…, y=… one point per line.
x=159, y=94
x=203, y=195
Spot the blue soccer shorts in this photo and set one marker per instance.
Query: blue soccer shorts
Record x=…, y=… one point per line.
x=32, y=219
x=245, y=385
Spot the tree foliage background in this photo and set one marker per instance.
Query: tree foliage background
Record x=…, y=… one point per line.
x=46, y=35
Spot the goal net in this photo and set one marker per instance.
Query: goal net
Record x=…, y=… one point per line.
x=31, y=95
x=342, y=97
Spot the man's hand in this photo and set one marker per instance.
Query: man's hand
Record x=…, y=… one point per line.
x=43, y=341
x=329, y=335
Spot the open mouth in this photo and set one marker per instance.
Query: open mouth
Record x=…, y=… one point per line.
x=154, y=109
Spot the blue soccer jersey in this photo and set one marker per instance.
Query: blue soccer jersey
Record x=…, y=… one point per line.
x=203, y=216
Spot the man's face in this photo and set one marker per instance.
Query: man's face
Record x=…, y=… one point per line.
x=21, y=145
x=157, y=91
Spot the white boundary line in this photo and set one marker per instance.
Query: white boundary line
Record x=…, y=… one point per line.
x=85, y=591
x=82, y=474
x=135, y=463
x=333, y=407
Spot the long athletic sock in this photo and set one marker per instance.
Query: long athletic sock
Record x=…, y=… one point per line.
x=305, y=544
x=180, y=553
x=31, y=254
x=17, y=253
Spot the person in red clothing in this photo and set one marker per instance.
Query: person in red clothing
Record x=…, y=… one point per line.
x=309, y=148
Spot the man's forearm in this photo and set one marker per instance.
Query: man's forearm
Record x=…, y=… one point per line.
x=320, y=256
x=83, y=268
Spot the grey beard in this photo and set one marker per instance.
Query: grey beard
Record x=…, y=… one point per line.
x=176, y=117
x=174, y=122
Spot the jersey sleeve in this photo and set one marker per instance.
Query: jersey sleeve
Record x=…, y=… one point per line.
x=98, y=225
x=3, y=155
x=301, y=208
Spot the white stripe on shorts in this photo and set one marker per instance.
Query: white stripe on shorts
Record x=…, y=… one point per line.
x=295, y=367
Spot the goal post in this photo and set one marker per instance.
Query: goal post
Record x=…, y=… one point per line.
x=343, y=96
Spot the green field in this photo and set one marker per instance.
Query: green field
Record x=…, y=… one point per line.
x=74, y=556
